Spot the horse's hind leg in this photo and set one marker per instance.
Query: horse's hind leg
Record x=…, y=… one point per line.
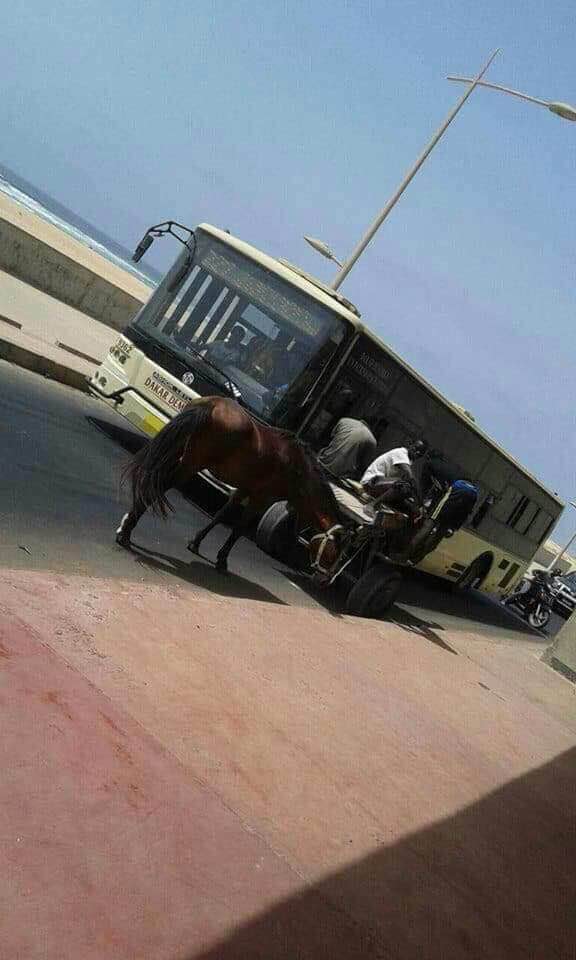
x=139, y=508
x=127, y=524
x=220, y=517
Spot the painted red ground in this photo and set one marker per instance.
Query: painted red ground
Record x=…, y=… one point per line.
x=186, y=778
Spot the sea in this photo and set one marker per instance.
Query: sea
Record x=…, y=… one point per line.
x=51, y=210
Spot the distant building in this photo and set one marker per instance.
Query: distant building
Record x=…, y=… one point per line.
x=546, y=553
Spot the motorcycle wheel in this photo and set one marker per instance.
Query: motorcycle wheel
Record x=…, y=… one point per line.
x=539, y=617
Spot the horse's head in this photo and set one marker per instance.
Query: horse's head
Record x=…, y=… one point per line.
x=317, y=503
x=324, y=549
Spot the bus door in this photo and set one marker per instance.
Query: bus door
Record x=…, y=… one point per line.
x=372, y=376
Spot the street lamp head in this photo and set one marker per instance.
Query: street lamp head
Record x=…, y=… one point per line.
x=563, y=110
x=321, y=248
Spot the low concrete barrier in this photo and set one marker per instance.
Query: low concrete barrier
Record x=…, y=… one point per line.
x=562, y=654
x=47, y=258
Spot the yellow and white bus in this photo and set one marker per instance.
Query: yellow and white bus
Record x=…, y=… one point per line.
x=228, y=319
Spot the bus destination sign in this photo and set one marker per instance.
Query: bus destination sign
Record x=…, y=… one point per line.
x=373, y=368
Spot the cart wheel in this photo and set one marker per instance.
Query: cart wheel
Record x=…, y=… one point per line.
x=374, y=593
x=276, y=531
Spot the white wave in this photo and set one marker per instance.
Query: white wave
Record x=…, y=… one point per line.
x=35, y=207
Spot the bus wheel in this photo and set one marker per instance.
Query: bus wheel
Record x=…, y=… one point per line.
x=475, y=575
x=374, y=593
x=276, y=531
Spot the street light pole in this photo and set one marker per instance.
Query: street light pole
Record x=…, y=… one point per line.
x=359, y=249
x=554, y=563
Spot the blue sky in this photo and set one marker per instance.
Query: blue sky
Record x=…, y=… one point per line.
x=275, y=119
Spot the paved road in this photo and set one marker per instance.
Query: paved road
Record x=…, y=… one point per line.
x=61, y=499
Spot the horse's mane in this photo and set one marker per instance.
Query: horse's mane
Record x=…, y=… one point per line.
x=316, y=472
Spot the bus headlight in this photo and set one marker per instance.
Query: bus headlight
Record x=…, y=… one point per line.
x=121, y=350
x=119, y=355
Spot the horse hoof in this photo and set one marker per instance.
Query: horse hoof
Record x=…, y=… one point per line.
x=123, y=541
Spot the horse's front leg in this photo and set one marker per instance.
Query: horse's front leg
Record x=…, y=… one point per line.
x=238, y=530
x=221, y=516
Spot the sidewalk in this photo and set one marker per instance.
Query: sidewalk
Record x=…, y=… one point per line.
x=190, y=777
x=48, y=337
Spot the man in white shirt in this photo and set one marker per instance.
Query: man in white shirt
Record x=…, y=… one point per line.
x=394, y=465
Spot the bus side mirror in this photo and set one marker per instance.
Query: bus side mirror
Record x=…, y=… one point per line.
x=145, y=243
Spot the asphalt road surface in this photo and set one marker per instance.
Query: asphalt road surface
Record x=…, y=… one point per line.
x=61, y=500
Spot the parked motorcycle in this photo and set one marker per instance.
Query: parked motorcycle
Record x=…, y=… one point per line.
x=533, y=598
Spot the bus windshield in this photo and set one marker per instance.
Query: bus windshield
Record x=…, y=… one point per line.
x=265, y=335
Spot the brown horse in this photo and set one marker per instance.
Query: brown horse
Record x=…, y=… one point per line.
x=262, y=463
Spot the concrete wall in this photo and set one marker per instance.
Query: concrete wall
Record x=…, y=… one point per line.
x=45, y=257
x=562, y=654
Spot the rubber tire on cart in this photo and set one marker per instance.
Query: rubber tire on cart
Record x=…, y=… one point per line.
x=276, y=531
x=475, y=575
x=374, y=593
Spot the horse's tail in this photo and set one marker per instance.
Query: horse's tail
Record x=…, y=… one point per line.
x=151, y=472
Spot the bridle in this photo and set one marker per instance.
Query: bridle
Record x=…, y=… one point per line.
x=328, y=536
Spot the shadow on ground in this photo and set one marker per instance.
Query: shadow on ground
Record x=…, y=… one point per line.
x=494, y=881
x=419, y=591
x=422, y=628
x=422, y=590
x=333, y=600
x=201, y=573
x=130, y=440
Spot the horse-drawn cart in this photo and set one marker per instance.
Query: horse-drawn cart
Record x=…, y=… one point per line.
x=355, y=539
x=375, y=543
